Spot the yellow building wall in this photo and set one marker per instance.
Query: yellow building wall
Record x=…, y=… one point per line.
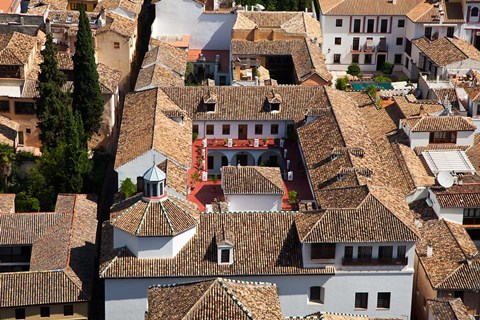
x=90, y=5
x=80, y=312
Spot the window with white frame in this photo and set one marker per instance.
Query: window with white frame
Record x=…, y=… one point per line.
x=316, y=294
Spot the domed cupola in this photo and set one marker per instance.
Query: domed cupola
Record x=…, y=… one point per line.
x=154, y=184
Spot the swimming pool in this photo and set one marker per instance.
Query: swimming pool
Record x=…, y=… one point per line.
x=363, y=86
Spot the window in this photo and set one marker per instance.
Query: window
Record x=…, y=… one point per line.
x=471, y=216
x=356, y=25
x=116, y=45
x=224, y=161
x=225, y=256
x=370, y=25
x=210, y=162
x=195, y=129
x=210, y=107
x=68, y=310
x=401, y=252
x=210, y=129
x=274, y=106
x=28, y=130
x=398, y=59
x=226, y=129
x=336, y=58
x=383, y=25
x=339, y=22
x=77, y=6
x=443, y=137
x=383, y=300
x=274, y=129
x=356, y=44
x=368, y=59
x=20, y=313
x=21, y=138
x=24, y=107
x=338, y=41
x=399, y=41
x=4, y=106
x=348, y=252
x=428, y=32
x=450, y=32
x=316, y=294
x=364, y=252
x=401, y=23
x=361, y=300
x=69, y=18
x=408, y=47
x=323, y=251
x=44, y=312
x=259, y=129
x=407, y=63
x=385, y=252
x=355, y=58
x=474, y=12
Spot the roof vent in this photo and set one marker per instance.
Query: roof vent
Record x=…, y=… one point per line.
x=429, y=250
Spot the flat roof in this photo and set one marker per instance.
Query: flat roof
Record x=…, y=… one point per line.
x=447, y=160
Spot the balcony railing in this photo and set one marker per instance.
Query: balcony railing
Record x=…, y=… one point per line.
x=356, y=48
x=369, y=47
x=382, y=47
x=375, y=261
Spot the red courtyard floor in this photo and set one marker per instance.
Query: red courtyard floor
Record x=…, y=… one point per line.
x=206, y=192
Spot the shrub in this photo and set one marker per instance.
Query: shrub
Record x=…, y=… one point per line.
x=194, y=136
x=127, y=188
x=403, y=78
x=372, y=90
x=383, y=79
x=292, y=197
x=341, y=83
x=353, y=69
x=25, y=203
x=387, y=67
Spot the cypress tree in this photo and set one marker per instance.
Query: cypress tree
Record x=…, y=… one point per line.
x=52, y=102
x=87, y=95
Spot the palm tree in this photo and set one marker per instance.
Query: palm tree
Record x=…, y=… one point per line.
x=7, y=157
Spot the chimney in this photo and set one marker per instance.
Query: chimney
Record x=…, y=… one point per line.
x=256, y=81
x=441, y=13
x=48, y=26
x=429, y=250
x=394, y=1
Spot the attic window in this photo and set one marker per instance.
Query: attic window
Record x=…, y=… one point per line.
x=340, y=177
x=274, y=107
x=56, y=18
x=225, y=254
x=210, y=107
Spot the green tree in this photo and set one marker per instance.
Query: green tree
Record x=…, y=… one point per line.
x=353, y=69
x=372, y=90
x=7, y=157
x=387, y=67
x=87, y=95
x=25, y=203
x=127, y=188
x=52, y=101
x=341, y=83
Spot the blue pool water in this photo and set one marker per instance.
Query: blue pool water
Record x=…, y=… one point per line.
x=363, y=86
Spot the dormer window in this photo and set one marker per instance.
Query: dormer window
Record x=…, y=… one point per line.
x=274, y=107
x=210, y=107
x=225, y=253
x=274, y=99
x=209, y=100
x=56, y=18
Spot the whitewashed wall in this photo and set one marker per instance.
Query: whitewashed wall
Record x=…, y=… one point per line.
x=210, y=31
x=451, y=214
x=260, y=202
x=152, y=247
x=202, y=125
x=293, y=293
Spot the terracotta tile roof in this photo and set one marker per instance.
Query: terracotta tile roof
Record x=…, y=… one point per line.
x=108, y=78
x=255, y=253
x=443, y=123
x=307, y=56
x=241, y=103
x=146, y=126
x=154, y=219
x=155, y=76
x=429, y=12
x=346, y=197
x=382, y=216
x=133, y=6
x=448, y=268
x=167, y=55
x=473, y=93
x=409, y=107
x=340, y=316
x=7, y=202
x=417, y=170
x=290, y=22
x=54, y=4
x=119, y=24
x=252, y=180
x=473, y=152
x=444, y=51
x=177, y=177
x=63, y=245
x=16, y=48
x=448, y=309
x=466, y=195
x=367, y=7
x=214, y=299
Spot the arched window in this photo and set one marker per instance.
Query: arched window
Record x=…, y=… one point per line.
x=474, y=12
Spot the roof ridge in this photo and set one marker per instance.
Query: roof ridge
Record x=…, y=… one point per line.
x=125, y=211
x=457, y=47
x=269, y=181
x=175, y=204
x=71, y=231
x=199, y=300
x=229, y=292
x=164, y=211
x=454, y=238
x=145, y=212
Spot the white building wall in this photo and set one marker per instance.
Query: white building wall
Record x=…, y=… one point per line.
x=465, y=138
x=331, y=31
x=260, y=202
x=138, y=166
x=293, y=292
x=202, y=127
x=451, y=214
x=419, y=139
x=152, y=247
x=209, y=31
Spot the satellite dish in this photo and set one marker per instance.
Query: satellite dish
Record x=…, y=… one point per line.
x=445, y=179
x=259, y=7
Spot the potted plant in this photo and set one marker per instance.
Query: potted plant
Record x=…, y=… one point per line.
x=293, y=199
x=276, y=141
x=195, y=178
x=265, y=141
x=225, y=141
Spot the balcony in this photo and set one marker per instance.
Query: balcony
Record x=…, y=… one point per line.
x=382, y=46
x=375, y=261
x=369, y=47
x=356, y=48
